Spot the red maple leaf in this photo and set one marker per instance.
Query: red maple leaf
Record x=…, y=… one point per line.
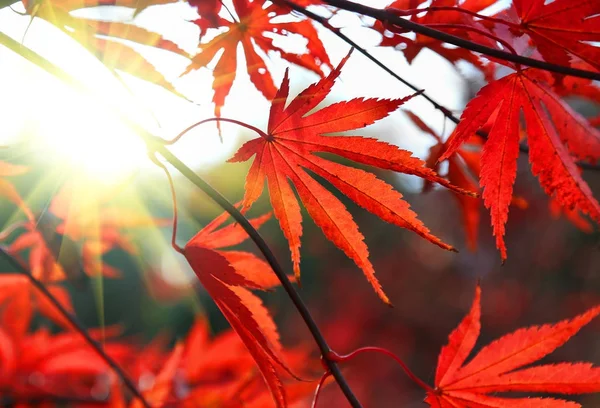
x=109, y=41
x=226, y=279
x=554, y=132
x=286, y=151
x=255, y=29
x=498, y=367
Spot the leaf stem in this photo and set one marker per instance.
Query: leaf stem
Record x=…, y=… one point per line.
x=391, y=18
x=237, y=122
x=80, y=329
x=319, y=388
x=272, y=260
x=411, y=375
x=174, y=244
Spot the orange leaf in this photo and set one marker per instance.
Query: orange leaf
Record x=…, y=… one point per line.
x=254, y=22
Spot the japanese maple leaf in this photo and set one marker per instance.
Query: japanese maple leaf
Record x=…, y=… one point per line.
x=54, y=259
x=562, y=29
x=498, y=367
x=227, y=286
x=255, y=29
x=96, y=224
x=161, y=387
x=257, y=272
x=554, y=131
x=286, y=151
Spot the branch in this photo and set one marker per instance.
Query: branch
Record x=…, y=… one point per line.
x=73, y=321
x=387, y=17
x=156, y=144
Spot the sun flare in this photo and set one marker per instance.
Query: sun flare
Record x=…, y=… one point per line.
x=80, y=134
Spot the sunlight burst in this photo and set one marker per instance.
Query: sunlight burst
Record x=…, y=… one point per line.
x=83, y=135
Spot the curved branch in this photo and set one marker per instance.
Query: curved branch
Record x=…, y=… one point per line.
x=80, y=329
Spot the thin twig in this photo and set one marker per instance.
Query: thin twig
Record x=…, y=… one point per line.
x=390, y=18
x=407, y=370
x=78, y=326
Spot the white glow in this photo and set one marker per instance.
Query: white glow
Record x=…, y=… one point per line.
x=79, y=133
